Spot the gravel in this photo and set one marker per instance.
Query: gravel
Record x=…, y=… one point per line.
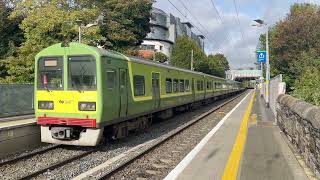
x=37, y=162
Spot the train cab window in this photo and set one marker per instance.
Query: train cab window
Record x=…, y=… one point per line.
x=111, y=79
x=181, y=85
x=139, y=85
x=50, y=73
x=82, y=73
x=187, y=85
x=175, y=85
x=168, y=85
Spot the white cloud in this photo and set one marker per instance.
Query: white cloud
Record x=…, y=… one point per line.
x=226, y=37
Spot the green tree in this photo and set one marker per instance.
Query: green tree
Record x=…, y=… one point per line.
x=124, y=24
x=158, y=56
x=181, y=54
x=292, y=39
x=307, y=87
x=10, y=34
x=218, y=65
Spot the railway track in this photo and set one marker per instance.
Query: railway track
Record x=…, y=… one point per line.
x=119, y=163
x=31, y=159
x=28, y=155
x=58, y=164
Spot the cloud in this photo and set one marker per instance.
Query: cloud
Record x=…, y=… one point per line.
x=226, y=36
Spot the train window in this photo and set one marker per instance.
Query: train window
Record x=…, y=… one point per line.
x=111, y=77
x=50, y=73
x=168, y=85
x=198, y=86
x=82, y=73
x=209, y=85
x=181, y=85
x=187, y=85
x=139, y=87
x=201, y=85
x=175, y=85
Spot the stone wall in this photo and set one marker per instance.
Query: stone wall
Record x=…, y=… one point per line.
x=300, y=121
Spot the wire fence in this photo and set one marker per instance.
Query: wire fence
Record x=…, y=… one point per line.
x=16, y=99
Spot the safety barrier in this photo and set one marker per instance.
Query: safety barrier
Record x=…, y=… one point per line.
x=16, y=99
x=300, y=122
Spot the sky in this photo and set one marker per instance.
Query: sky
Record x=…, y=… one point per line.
x=232, y=35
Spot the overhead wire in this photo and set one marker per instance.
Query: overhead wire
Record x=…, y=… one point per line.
x=220, y=19
x=185, y=16
x=197, y=20
x=237, y=12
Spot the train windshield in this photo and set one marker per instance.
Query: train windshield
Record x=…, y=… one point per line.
x=50, y=73
x=82, y=73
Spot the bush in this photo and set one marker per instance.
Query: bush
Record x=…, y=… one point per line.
x=307, y=87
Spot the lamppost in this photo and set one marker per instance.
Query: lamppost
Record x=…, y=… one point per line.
x=260, y=24
x=79, y=23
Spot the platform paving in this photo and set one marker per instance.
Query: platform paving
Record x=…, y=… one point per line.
x=265, y=153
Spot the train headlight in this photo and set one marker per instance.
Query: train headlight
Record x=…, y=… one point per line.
x=87, y=106
x=45, y=105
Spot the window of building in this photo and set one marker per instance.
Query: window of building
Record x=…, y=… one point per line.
x=169, y=85
x=175, y=85
x=148, y=47
x=187, y=85
x=181, y=85
x=139, y=87
x=161, y=48
x=111, y=79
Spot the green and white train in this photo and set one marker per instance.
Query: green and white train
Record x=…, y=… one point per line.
x=84, y=92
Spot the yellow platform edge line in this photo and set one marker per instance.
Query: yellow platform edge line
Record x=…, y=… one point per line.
x=232, y=166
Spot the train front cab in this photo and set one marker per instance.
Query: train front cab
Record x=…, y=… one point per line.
x=67, y=96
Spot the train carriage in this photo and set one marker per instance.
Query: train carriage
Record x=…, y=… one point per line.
x=83, y=92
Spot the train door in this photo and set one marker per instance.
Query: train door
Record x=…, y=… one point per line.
x=156, y=90
x=123, y=91
x=193, y=90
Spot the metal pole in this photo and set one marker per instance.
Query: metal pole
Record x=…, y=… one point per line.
x=267, y=69
x=192, y=60
x=79, y=33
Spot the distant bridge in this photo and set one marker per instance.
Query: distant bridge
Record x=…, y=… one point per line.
x=241, y=75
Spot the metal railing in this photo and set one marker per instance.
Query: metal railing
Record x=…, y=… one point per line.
x=16, y=99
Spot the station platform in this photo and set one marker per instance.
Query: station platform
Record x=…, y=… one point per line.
x=246, y=144
x=18, y=134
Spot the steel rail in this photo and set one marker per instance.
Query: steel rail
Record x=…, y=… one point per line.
x=58, y=164
x=19, y=158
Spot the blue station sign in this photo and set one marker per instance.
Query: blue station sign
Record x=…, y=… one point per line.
x=262, y=56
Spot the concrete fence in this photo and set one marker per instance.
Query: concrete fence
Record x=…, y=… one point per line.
x=277, y=87
x=300, y=121
x=16, y=99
